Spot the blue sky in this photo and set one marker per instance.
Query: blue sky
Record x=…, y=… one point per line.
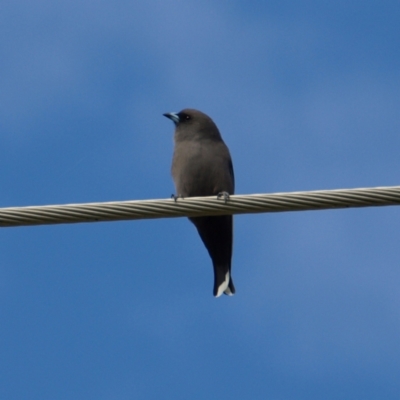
x=306, y=95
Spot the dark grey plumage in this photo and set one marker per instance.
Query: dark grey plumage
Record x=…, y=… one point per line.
x=202, y=166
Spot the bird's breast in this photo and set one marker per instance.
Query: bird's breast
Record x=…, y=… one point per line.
x=201, y=170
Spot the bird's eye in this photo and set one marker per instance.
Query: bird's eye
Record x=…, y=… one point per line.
x=187, y=117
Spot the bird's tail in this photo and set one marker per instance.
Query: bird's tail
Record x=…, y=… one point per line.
x=223, y=282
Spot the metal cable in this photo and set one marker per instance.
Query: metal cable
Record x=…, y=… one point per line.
x=199, y=206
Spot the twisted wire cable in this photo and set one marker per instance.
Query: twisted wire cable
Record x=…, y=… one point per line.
x=199, y=206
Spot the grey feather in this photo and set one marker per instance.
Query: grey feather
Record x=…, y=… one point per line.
x=202, y=166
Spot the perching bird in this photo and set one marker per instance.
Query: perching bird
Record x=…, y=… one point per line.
x=202, y=166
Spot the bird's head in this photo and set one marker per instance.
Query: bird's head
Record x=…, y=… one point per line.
x=193, y=124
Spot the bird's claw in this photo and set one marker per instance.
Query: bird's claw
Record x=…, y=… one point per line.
x=225, y=195
x=175, y=197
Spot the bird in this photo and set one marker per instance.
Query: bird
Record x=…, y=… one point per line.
x=202, y=166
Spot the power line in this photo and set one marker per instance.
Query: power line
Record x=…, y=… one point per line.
x=199, y=206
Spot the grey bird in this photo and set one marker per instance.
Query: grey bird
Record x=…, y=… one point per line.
x=202, y=166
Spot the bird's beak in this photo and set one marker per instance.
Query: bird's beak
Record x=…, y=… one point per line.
x=173, y=116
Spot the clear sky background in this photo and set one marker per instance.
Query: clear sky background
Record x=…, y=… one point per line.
x=306, y=95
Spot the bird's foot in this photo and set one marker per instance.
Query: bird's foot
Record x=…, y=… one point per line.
x=175, y=197
x=224, y=195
